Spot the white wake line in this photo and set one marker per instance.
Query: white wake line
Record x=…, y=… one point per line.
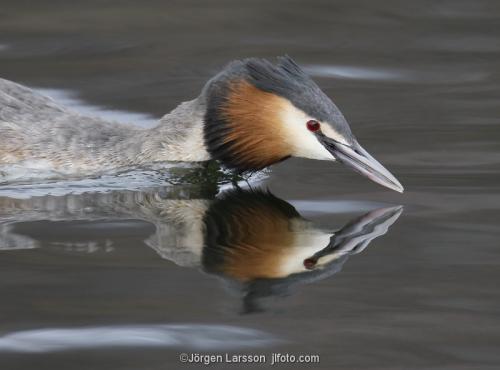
x=185, y=336
x=132, y=180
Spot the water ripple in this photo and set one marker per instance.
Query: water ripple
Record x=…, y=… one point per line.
x=70, y=99
x=188, y=336
x=430, y=75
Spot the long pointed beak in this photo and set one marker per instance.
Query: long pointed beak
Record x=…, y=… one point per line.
x=361, y=161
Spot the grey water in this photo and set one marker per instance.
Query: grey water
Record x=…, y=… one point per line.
x=308, y=258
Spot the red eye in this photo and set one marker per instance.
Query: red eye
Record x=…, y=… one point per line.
x=309, y=263
x=313, y=125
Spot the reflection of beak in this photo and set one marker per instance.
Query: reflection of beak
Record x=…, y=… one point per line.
x=356, y=235
x=361, y=161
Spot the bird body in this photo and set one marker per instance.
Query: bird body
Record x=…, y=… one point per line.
x=36, y=134
x=249, y=116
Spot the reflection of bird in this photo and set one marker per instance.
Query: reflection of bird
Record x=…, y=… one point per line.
x=250, y=238
x=249, y=116
x=263, y=244
x=254, y=235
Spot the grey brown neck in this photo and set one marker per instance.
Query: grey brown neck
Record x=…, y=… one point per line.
x=177, y=137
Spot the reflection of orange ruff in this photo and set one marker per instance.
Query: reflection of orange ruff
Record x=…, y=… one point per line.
x=254, y=232
x=258, y=253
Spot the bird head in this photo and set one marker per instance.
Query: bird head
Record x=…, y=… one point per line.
x=259, y=113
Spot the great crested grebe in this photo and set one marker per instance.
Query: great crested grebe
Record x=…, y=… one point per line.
x=249, y=116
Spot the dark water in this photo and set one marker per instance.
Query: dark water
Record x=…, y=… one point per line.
x=124, y=280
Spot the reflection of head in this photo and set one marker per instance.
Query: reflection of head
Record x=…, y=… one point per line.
x=248, y=233
x=263, y=244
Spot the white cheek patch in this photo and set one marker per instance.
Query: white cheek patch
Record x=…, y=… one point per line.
x=332, y=133
x=303, y=142
x=305, y=245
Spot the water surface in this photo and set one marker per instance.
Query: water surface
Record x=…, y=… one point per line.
x=419, y=83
